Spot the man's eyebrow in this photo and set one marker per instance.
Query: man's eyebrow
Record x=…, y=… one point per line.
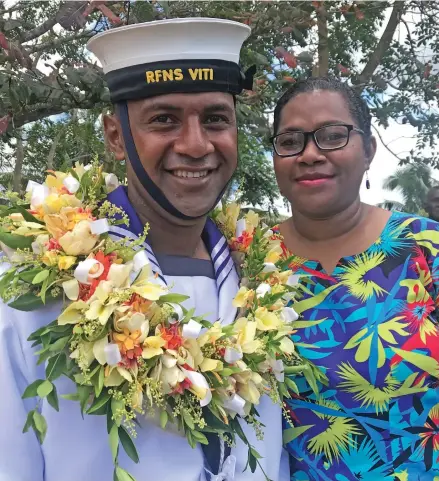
x=219, y=107
x=160, y=105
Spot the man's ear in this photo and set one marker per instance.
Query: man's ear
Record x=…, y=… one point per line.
x=371, y=151
x=113, y=136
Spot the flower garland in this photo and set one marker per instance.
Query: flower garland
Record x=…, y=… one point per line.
x=128, y=343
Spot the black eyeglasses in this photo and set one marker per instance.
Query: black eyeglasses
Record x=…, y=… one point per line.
x=329, y=137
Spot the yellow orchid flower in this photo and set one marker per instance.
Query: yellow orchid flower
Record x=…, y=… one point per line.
x=287, y=345
x=80, y=241
x=266, y=320
x=251, y=221
x=211, y=365
x=211, y=335
x=65, y=262
x=246, y=333
x=243, y=297
x=150, y=290
x=249, y=392
x=99, y=311
x=152, y=346
x=73, y=313
x=55, y=179
x=50, y=258
x=273, y=255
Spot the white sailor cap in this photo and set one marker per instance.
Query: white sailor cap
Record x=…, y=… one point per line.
x=180, y=55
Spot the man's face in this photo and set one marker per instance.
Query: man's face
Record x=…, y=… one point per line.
x=432, y=204
x=187, y=143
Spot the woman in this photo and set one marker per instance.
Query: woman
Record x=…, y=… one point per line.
x=370, y=311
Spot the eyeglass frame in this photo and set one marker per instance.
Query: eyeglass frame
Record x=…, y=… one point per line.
x=350, y=127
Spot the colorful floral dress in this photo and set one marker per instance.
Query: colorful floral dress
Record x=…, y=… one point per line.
x=372, y=327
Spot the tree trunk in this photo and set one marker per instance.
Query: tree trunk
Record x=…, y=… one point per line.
x=384, y=43
x=52, y=151
x=323, y=48
x=19, y=157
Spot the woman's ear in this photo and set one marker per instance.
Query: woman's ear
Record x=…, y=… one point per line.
x=371, y=151
x=113, y=136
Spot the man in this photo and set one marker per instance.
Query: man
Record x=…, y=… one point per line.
x=432, y=203
x=173, y=85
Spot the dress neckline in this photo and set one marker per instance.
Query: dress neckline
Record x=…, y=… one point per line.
x=318, y=266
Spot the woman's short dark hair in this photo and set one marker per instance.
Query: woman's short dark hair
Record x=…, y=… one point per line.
x=357, y=105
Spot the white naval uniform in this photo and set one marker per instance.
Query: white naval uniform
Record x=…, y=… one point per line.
x=77, y=449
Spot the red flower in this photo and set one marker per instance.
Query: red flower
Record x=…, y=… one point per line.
x=186, y=384
x=85, y=291
x=53, y=245
x=172, y=337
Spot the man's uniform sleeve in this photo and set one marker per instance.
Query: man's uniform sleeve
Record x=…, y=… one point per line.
x=20, y=454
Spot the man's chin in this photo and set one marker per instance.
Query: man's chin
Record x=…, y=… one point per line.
x=196, y=209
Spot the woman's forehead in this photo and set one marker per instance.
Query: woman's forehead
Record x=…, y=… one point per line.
x=312, y=109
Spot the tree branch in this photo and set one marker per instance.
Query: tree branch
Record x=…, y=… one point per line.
x=323, y=48
x=56, y=42
x=47, y=25
x=384, y=43
x=386, y=145
x=43, y=110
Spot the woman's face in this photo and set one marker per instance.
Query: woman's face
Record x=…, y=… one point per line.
x=317, y=183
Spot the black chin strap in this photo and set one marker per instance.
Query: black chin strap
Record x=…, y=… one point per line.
x=144, y=178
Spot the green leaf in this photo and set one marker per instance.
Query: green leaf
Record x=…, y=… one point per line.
x=6, y=278
x=16, y=241
x=71, y=397
x=32, y=389
x=114, y=442
x=251, y=461
x=188, y=420
x=123, y=475
x=97, y=380
x=52, y=399
x=200, y=437
x=29, y=275
x=44, y=389
x=174, y=298
x=99, y=402
x=163, y=419
x=84, y=393
x=128, y=444
x=29, y=421
x=59, y=344
x=41, y=276
x=56, y=366
x=40, y=425
x=27, y=302
x=292, y=433
x=291, y=385
x=46, y=284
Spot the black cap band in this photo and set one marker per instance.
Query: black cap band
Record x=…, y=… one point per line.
x=178, y=76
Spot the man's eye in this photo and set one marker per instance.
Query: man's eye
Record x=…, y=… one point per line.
x=216, y=119
x=162, y=119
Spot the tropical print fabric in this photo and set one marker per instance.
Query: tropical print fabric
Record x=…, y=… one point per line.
x=372, y=326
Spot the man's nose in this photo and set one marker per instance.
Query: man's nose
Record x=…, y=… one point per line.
x=193, y=140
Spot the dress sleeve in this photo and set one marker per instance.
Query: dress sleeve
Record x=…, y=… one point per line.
x=20, y=454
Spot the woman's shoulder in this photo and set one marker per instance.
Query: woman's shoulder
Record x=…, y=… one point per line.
x=413, y=222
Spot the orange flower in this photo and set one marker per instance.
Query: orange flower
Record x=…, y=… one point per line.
x=172, y=337
x=139, y=304
x=128, y=342
x=242, y=243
